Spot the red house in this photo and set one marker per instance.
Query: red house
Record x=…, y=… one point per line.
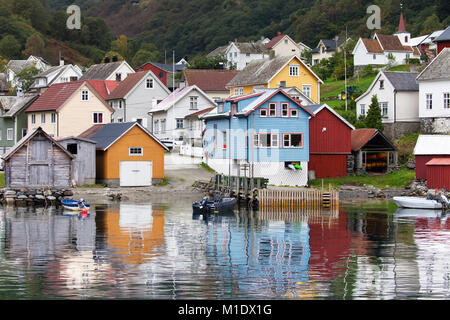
x=438, y=173
x=329, y=142
x=443, y=41
x=161, y=70
x=427, y=148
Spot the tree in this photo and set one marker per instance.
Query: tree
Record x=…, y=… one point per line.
x=120, y=45
x=26, y=77
x=10, y=47
x=3, y=63
x=112, y=56
x=431, y=24
x=373, y=118
x=34, y=46
x=203, y=62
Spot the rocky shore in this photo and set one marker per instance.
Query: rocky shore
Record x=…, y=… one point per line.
x=22, y=197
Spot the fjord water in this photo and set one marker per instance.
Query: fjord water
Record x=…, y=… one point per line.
x=161, y=251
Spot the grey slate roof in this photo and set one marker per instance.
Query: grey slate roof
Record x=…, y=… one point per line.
x=3, y=82
x=218, y=51
x=313, y=107
x=445, y=36
x=19, y=105
x=6, y=102
x=403, y=81
x=330, y=45
x=109, y=133
x=438, y=69
x=259, y=71
x=18, y=65
x=100, y=71
x=169, y=67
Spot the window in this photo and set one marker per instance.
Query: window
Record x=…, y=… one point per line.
x=293, y=70
x=193, y=103
x=42, y=117
x=263, y=113
x=149, y=83
x=407, y=56
x=24, y=133
x=363, y=109
x=284, y=109
x=33, y=118
x=293, y=140
x=381, y=84
x=282, y=84
x=156, y=126
x=135, y=151
x=272, y=109
x=238, y=91
x=235, y=54
x=72, y=148
x=233, y=109
x=64, y=79
x=247, y=54
x=446, y=100
x=224, y=139
x=163, y=126
x=119, y=119
x=220, y=108
x=97, y=117
x=118, y=77
x=384, y=108
x=316, y=61
x=374, y=57
x=266, y=140
x=429, y=101
x=180, y=123
x=294, y=113
x=307, y=90
x=84, y=95
x=406, y=39
x=9, y=134
x=53, y=118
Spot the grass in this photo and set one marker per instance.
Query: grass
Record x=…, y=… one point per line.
x=402, y=67
x=164, y=182
x=397, y=179
x=2, y=179
x=332, y=88
x=405, y=146
x=206, y=167
x=97, y=185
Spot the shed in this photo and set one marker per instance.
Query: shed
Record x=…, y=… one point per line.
x=438, y=173
x=127, y=154
x=373, y=151
x=83, y=164
x=429, y=146
x=37, y=161
x=329, y=142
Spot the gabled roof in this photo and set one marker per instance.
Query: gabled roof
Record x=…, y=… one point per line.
x=261, y=71
x=20, y=105
x=432, y=144
x=199, y=113
x=176, y=96
x=445, y=36
x=57, y=94
x=250, y=47
x=104, y=87
x=6, y=102
x=438, y=69
x=361, y=137
x=17, y=65
x=28, y=137
x=102, y=71
x=274, y=40
x=218, y=51
x=130, y=82
x=107, y=134
x=391, y=43
x=402, y=81
x=209, y=79
x=170, y=68
x=316, y=108
x=372, y=45
x=330, y=44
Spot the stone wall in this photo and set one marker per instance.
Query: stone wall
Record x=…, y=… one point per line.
x=399, y=129
x=33, y=197
x=434, y=125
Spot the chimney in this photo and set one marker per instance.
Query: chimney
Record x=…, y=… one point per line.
x=61, y=62
x=278, y=33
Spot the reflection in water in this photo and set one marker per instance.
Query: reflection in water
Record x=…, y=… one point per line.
x=161, y=251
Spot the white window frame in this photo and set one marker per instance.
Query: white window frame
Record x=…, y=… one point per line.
x=261, y=112
x=84, y=95
x=53, y=117
x=136, y=151
x=224, y=139
x=381, y=84
x=156, y=126
x=274, y=140
x=177, y=121
x=33, y=118
x=149, y=83
x=294, y=70
x=306, y=89
x=384, y=106
x=363, y=109
x=42, y=117
x=285, y=104
x=291, y=111
x=9, y=134
x=163, y=126
x=193, y=102
x=98, y=113
x=446, y=100
x=429, y=101
x=269, y=110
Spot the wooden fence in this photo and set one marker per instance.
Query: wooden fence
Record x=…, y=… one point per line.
x=298, y=198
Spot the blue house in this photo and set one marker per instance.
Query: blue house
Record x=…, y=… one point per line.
x=268, y=130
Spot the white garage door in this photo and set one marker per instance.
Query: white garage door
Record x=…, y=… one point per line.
x=135, y=173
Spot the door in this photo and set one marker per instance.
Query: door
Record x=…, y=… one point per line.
x=135, y=173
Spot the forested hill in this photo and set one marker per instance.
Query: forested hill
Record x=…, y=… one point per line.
x=193, y=27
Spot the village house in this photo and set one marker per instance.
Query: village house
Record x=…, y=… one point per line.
x=58, y=74
x=283, y=45
x=443, y=41
x=135, y=96
x=195, y=127
x=325, y=49
x=38, y=161
x=427, y=148
x=268, y=131
x=398, y=97
x=278, y=72
x=434, y=95
x=165, y=72
x=128, y=155
x=169, y=123
x=67, y=109
x=240, y=54
x=211, y=81
x=428, y=46
x=116, y=71
x=4, y=88
x=329, y=142
x=15, y=66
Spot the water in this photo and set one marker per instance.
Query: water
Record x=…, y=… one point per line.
x=160, y=251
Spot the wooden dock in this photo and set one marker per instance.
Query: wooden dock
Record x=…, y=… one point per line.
x=298, y=198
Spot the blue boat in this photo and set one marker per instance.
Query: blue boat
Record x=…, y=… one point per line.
x=75, y=205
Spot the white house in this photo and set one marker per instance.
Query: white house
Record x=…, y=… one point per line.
x=325, y=49
x=15, y=66
x=283, y=45
x=434, y=95
x=135, y=96
x=195, y=127
x=239, y=54
x=169, y=116
x=398, y=98
x=116, y=71
x=58, y=74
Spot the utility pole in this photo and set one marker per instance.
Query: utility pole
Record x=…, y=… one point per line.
x=345, y=67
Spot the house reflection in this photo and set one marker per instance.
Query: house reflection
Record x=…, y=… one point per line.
x=134, y=232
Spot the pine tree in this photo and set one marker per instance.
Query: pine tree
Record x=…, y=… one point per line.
x=373, y=118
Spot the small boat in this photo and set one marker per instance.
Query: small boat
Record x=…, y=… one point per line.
x=417, y=203
x=417, y=213
x=75, y=205
x=207, y=205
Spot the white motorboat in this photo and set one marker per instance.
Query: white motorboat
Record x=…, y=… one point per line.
x=417, y=203
x=417, y=213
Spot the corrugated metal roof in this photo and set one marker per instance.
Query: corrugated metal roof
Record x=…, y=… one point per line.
x=432, y=145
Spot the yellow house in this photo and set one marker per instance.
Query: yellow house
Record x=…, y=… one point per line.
x=70, y=108
x=278, y=72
